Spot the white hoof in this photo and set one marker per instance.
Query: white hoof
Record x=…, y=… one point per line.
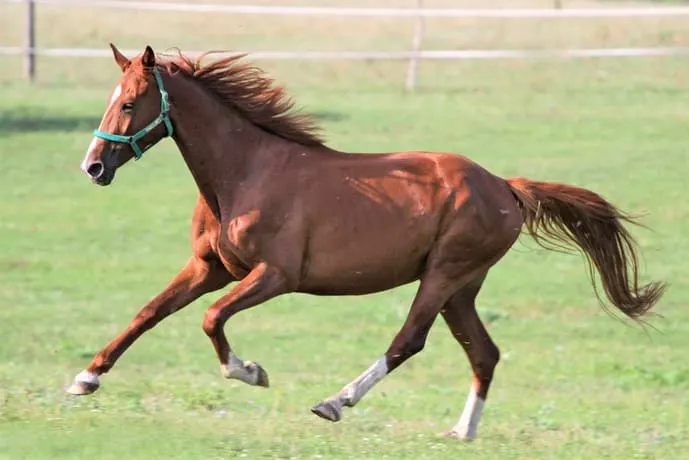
x=85, y=383
x=462, y=436
x=246, y=371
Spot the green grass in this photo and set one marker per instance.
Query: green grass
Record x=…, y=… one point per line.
x=78, y=261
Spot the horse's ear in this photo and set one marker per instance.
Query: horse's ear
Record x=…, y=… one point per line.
x=148, y=59
x=120, y=58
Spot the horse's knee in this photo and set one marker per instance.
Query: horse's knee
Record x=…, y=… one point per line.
x=495, y=355
x=484, y=366
x=491, y=359
x=416, y=345
x=404, y=348
x=212, y=322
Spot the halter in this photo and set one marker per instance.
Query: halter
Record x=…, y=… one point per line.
x=132, y=140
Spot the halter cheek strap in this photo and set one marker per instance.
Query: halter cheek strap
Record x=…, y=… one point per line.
x=163, y=118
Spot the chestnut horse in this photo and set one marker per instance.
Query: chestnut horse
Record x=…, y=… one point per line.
x=280, y=212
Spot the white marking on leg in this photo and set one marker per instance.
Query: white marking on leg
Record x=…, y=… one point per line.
x=355, y=390
x=246, y=371
x=87, y=377
x=467, y=425
x=352, y=393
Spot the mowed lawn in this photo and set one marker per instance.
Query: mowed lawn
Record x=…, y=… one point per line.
x=78, y=261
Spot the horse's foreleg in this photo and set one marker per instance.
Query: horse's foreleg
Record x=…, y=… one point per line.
x=432, y=294
x=261, y=284
x=198, y=277
x=466, y=326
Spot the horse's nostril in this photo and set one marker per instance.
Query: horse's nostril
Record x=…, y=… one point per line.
x=95, y=170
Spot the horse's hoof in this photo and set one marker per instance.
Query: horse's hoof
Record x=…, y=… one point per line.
x=328, y=410
x=82, y=388
x=456, y=435
x=262, y=377
x=248, y=372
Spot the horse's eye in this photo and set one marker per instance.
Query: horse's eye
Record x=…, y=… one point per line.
x=127, y=106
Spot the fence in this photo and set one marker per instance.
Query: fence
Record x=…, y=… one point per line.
x=29, y=50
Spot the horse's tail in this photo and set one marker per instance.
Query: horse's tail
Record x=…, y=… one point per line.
x=559, y=216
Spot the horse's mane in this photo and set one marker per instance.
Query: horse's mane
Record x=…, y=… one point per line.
x=249, y=91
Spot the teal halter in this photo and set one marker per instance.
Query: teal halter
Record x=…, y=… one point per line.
x=132, y=140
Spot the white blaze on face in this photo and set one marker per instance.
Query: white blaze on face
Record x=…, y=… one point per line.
x=94, y=142
x=115, y=94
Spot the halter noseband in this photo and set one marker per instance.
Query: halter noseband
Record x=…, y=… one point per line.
x=163, y=118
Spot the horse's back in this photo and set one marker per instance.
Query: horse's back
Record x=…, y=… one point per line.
x=374, y=219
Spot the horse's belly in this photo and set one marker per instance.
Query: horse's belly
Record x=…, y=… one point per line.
x=366, y=265
x=357, y=282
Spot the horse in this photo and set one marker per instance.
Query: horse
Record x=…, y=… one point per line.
x=280, y=212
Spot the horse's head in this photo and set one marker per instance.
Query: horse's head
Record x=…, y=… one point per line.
x=137, y=117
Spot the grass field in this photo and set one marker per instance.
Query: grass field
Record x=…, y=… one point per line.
x=77, y=262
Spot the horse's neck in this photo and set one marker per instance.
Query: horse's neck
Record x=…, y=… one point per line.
x=219, y=146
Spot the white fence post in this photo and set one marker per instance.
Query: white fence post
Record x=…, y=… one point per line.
x=413, y=68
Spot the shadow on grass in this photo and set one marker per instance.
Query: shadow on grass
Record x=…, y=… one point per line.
x=20, y=123
x=329, y=116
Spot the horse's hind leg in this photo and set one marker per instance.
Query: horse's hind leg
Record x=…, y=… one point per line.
x=434, y=291
x=461, y=316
